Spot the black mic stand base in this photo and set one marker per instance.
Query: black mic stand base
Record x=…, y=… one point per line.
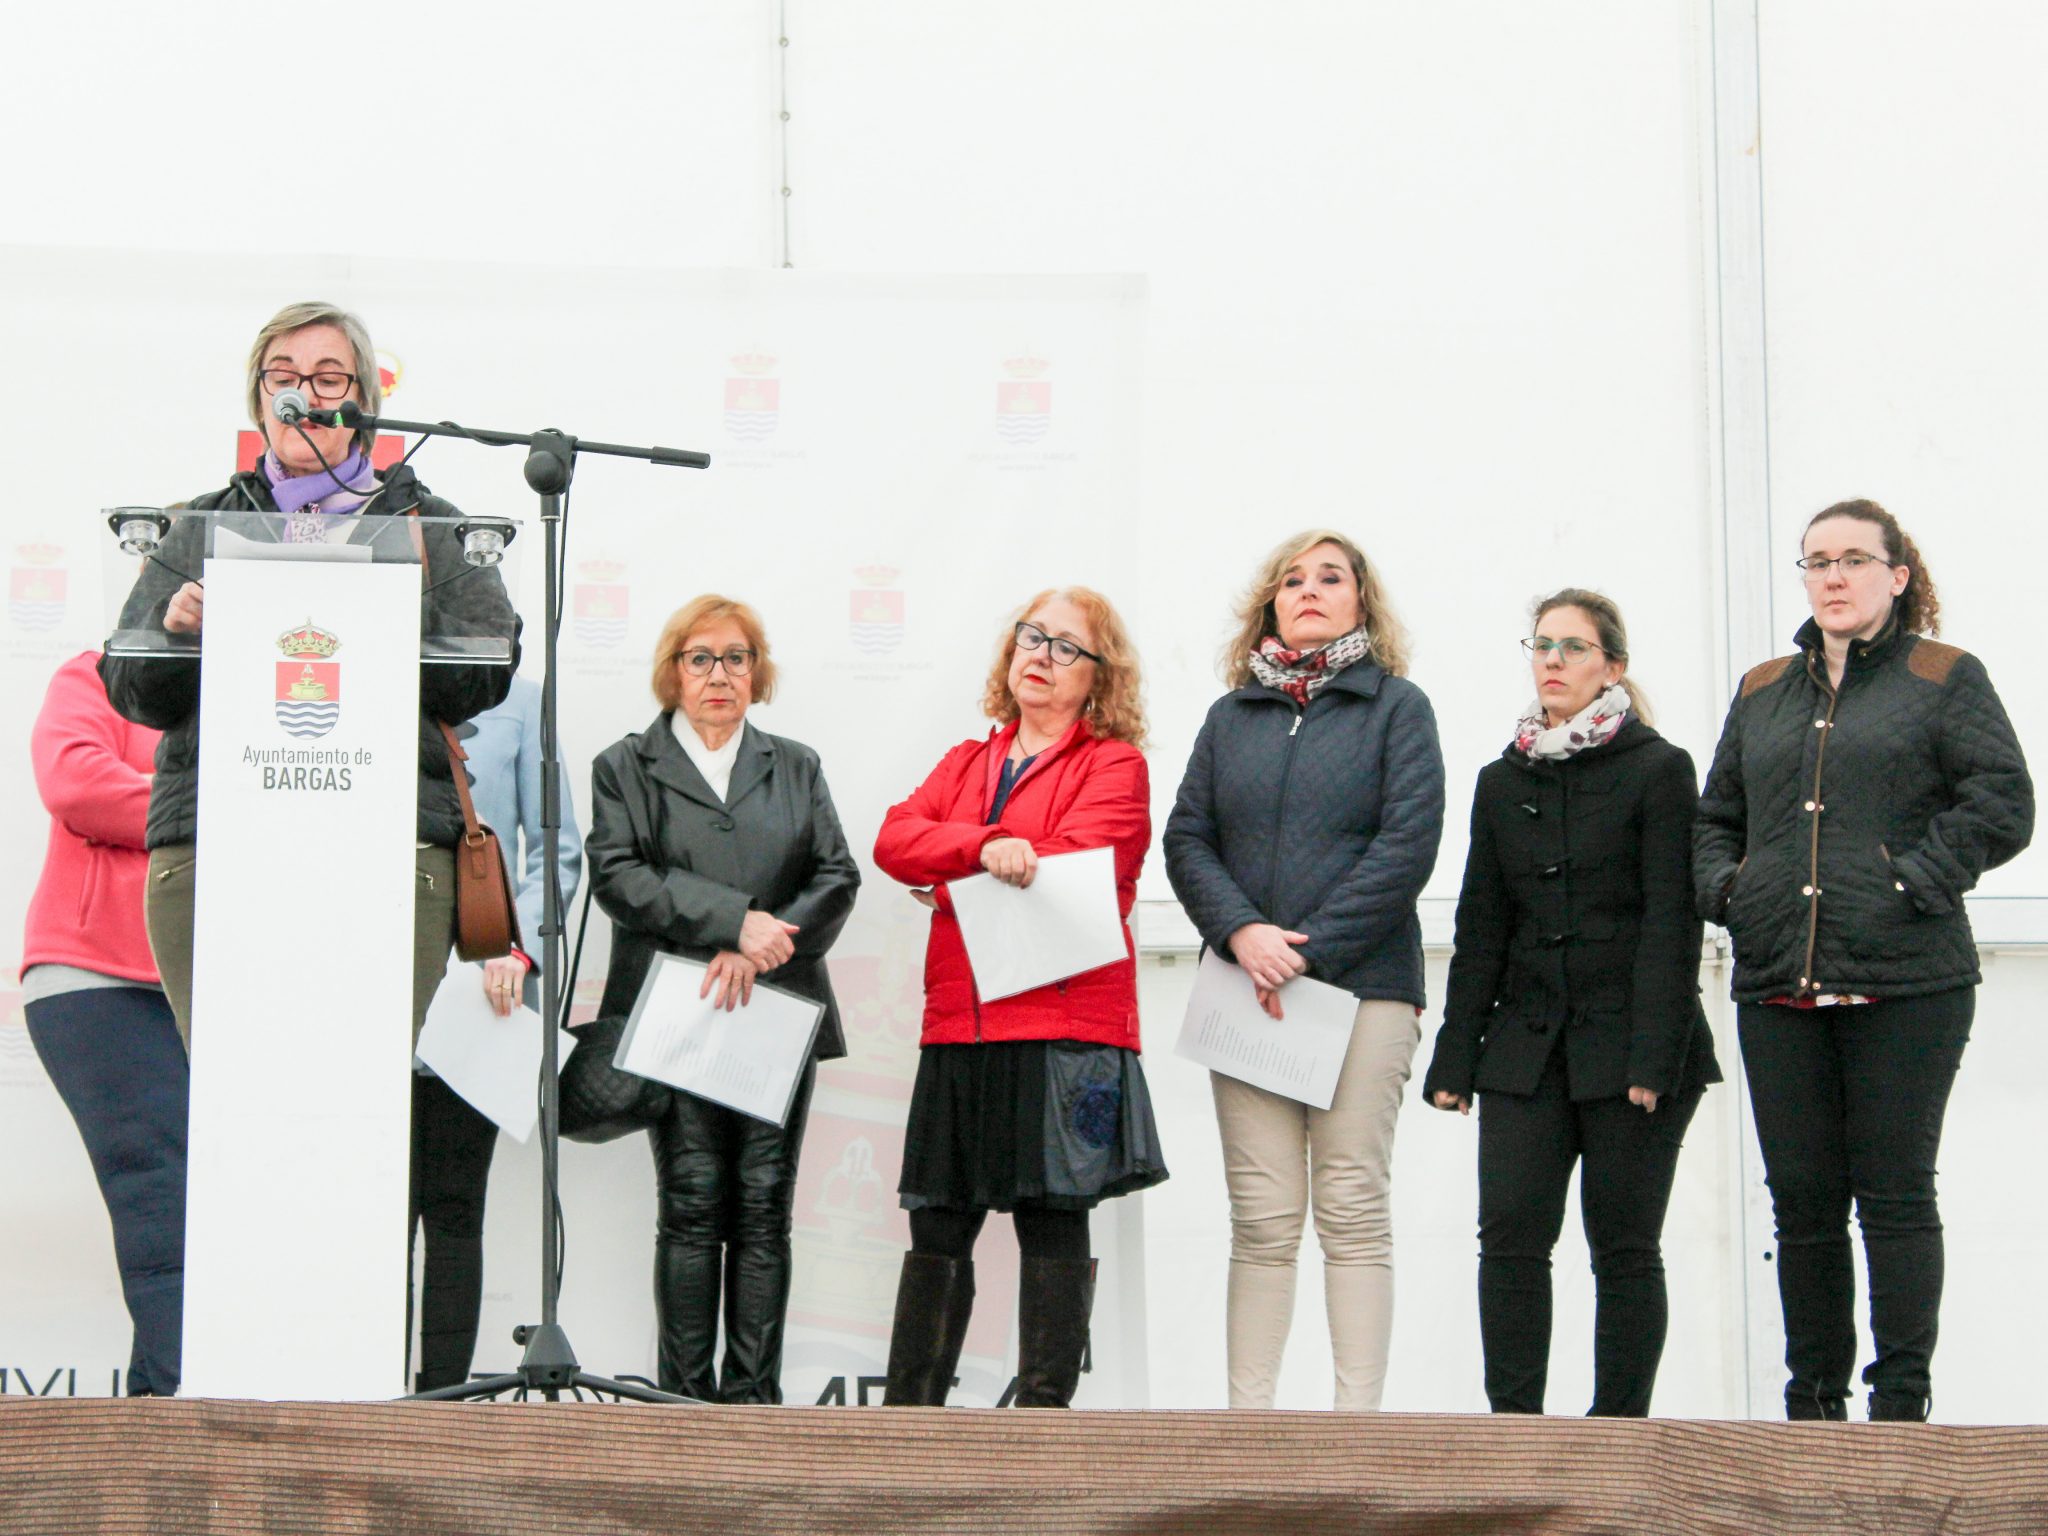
x=549, y=1369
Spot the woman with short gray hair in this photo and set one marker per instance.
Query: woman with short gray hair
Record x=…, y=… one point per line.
x=316, y=484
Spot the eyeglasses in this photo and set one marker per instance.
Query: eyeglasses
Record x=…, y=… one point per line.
x=325, y=386
x=737, y=663
x=1064, y=652
x=1816, y=568
x=1572, y=649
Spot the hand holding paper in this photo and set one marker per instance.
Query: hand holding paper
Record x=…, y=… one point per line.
x=1228, y=1030
x=492, y=1062
x=1061, y=921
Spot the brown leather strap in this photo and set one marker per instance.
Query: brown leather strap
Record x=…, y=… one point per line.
x=472, y=833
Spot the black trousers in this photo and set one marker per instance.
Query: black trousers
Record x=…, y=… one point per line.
x=451, y=1172
x=117, y=1062
x=1043, y=1231
x=726, y=1190
x=1628, y=1158
x=1849, y=1103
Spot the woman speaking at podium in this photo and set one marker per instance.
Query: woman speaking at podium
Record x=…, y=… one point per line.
x=714, y=840
x=1036, y=1103
x=311, y=482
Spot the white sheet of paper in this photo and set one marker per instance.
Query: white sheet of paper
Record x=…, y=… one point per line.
x=748, y=1059
x=228, y=545
x=1063, y=923
x=1299, y=1055
x=493, y=1063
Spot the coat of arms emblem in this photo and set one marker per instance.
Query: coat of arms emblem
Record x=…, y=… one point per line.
x=308, y=681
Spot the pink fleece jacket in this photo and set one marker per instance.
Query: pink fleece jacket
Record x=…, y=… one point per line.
x=93, y=771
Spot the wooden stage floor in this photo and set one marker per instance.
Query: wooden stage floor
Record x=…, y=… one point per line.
x=85, y=1466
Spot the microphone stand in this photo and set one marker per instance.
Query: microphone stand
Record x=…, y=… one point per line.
x=549, y=1366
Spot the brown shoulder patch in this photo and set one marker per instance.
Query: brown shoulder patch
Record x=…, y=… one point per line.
x=1933, y=660
x=1764, y=675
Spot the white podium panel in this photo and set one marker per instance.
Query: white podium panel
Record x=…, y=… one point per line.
x=302, y=981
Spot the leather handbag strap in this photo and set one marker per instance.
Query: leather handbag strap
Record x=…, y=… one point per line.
x=472, y=830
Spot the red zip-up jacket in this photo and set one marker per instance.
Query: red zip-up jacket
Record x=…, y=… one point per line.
x=93, y=770
x=1080, y=792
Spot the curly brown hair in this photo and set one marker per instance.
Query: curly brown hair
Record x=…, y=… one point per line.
x=1918, y=608
x=1115, y=709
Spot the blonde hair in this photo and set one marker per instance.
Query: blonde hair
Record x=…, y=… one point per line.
x=1387, y=641
x=693, y=616
x=296, y=317
x=1606, y=617
x=1115, y=709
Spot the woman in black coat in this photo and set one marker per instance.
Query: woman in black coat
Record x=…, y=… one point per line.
x=1573, y=1008
x=1860, y=788
x=714, y=840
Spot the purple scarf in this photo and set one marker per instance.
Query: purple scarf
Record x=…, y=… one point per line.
x=343, y=490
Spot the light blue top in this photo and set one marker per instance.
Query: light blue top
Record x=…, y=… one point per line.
x=504, y=759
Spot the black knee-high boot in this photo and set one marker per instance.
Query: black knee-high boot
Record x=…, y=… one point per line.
x=1053, y=1304
x=934, y=1299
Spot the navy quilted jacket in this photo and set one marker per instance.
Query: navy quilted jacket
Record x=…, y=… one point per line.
x=1839, y=831
x=1323, y=820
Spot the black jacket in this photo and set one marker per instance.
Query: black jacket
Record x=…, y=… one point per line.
x=676, y=869
x=1839, y=830
x=163, y=693
x=1576, y=920
x=1324, y=820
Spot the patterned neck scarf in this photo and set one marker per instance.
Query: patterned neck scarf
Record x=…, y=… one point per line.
x=1597, y=722
x=1301, y=675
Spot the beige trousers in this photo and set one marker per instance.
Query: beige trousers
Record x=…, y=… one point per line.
x=1281, y=1157
x=167, y=906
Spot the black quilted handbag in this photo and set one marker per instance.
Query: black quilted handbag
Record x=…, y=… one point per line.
x=598, y=1101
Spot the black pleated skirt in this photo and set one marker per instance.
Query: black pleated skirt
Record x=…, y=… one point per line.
x=1053, y=1122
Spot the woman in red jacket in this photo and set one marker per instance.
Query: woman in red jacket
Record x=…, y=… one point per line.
x=96, y=1013
x=1033, y=1104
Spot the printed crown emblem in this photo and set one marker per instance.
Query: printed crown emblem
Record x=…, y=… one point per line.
x=605, y=572
x=39, y=554
x=308, y=640
x=754, y=363
x=876, y=575
x=1025, y=365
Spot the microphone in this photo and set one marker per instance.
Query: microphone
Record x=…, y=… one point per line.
x=291, y=407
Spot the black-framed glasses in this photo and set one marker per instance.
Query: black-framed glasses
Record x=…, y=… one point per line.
x=737, y=662
x=1064, y=652
x=1815, y=567
x=324, y=385
x=1571, y=648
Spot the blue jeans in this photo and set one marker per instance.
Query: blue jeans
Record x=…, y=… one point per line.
x=117, y=1062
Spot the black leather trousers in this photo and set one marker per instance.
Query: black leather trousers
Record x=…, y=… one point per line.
x=726, y=1187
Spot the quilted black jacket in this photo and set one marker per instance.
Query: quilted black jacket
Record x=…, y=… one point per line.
x=1839, y=830
x=164, y=693
x=1576, y=921
x=1324, y=820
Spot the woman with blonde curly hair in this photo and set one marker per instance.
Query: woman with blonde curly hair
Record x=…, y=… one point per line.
x=1036, y=1103
x=1305, y=828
